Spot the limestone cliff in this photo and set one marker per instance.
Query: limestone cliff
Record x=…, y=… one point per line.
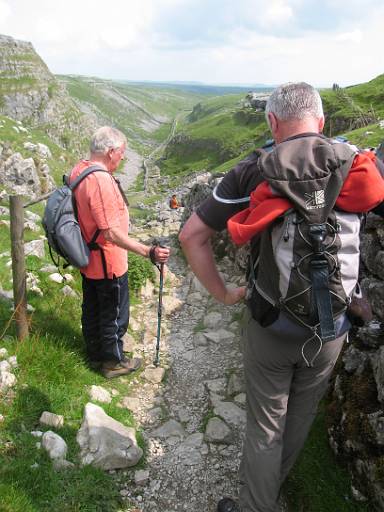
x=30, y=93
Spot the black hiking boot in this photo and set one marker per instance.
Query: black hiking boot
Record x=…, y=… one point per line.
x=112, y=369
x=94, y=365
x=228, y=505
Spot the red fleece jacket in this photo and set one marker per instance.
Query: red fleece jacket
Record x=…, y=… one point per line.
x=362, y=190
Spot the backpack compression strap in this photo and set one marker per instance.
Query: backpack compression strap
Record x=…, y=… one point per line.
x=319, y=272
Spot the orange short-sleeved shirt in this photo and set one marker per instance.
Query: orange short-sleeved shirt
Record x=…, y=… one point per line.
x=101, y=206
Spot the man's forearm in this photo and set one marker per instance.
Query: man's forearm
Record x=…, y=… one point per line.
x=201, y=260
x=119, y=238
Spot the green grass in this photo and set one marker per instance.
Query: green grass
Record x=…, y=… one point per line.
x=132, y=109
x=317, y=483
x=53, y=376
x=217, y=134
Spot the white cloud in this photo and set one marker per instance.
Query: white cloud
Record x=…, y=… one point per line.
x=5, y=11
x=247, y=41
x=278, y=12
x=355, y=36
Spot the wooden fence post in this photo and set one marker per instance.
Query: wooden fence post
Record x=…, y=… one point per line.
x=18, y=265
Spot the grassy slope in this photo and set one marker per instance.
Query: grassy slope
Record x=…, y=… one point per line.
x=52, y=376
x=344, y=107
x=163, y=104
x=220, y=132
x=217, y=134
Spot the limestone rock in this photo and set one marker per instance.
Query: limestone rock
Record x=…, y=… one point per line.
x=240, y=399
x=218, y=432
x=216, y=385
x=20, y=176
x=170, y=429
x=196, y=286
x=5, y=366
x=213, y=320
x=67, y=291
x=141, y=477
x=56, y=278
x=105, y=442
x=54, y=445
x=147, y=290
x=190, y=451
x=100, y=394
x=218, y=336
x=378, y=372
x=231, y=413
x=171, y=304
x=62, y=465
x=154, y=375
x=49, y=269
x=236, y=384
x=131, y=403
x=35, y=248
x=376, y=420
x=354, y=360
x=7, y=380
x=51, y=420
x=128, y=342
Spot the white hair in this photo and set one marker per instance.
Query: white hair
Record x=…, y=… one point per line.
x=294, y=101
x=106, y=138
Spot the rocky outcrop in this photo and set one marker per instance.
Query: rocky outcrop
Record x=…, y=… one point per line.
x=257, y=101
x=221, y=242
x=30, y=93
x=356, y=410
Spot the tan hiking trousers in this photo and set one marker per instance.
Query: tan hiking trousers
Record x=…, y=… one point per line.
x=282, y=397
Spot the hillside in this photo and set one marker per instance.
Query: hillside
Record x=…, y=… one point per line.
x=31, y=94
x=222, y=130
x=218, y=132
x=356, y=111
x=143, y=112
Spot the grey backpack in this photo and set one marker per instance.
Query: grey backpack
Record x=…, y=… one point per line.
x=61, y=225
x=308, y=259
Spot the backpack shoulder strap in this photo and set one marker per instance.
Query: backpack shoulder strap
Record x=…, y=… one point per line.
x=84, y=174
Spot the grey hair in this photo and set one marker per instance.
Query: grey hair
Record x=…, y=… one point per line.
x=294, y=101
x=106, y=138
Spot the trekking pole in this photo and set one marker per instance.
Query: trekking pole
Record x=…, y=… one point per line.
x=156, y=362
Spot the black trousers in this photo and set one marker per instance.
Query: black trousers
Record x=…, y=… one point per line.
x=105, y=317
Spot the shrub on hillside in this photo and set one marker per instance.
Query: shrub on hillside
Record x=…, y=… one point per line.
x=139, y=270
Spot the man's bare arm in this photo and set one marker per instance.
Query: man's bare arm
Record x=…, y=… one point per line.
x=195, y=239
x=118, y=237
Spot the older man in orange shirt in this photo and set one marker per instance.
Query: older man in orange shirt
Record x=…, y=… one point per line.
x=104, y=220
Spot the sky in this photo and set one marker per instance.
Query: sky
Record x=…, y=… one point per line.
x=210, y=41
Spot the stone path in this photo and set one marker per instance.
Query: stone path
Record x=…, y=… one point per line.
x=193, y=421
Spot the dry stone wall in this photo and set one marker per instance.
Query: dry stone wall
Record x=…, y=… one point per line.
x=356, y=411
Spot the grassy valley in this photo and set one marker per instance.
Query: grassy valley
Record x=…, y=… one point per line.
x=217, y=133
x=144, y=113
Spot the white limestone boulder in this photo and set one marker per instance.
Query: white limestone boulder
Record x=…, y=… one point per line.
x=106, y=443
